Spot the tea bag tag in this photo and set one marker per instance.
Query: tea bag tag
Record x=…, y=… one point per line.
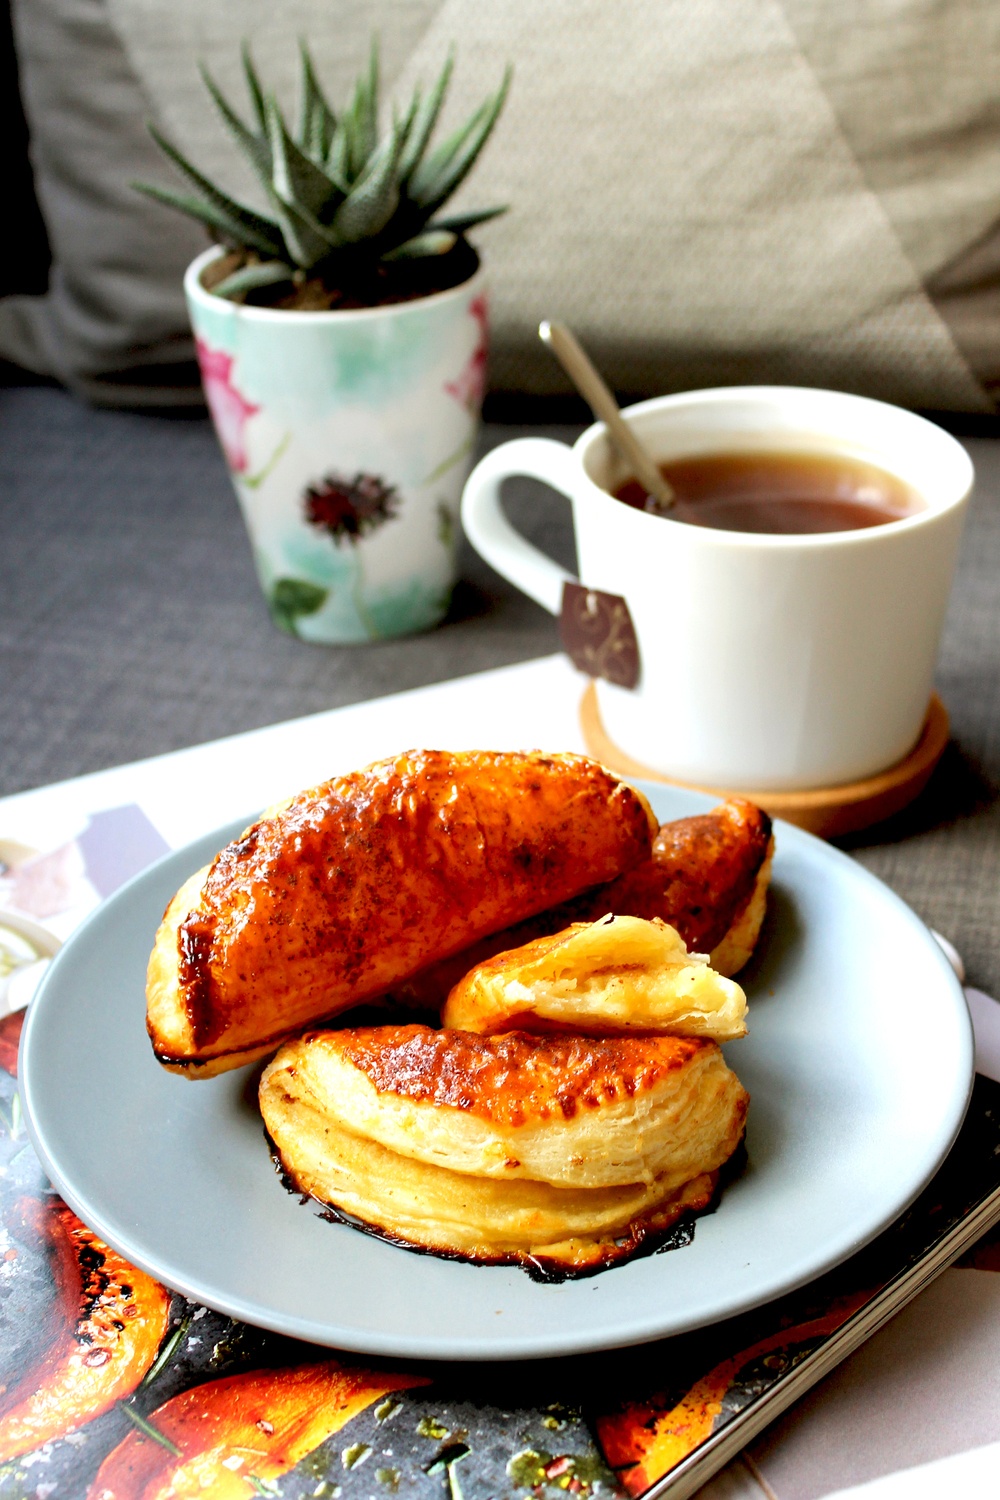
x=598, y=636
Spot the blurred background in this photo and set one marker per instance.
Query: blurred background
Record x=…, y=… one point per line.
x=741, y=190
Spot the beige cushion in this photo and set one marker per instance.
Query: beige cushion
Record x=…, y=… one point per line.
x=114, y=308
x=735, y=190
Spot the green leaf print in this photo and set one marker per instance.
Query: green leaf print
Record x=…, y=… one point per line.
x=445, y=526
x=293, y=597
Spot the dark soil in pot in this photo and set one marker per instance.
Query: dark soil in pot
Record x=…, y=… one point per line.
x=365, y=285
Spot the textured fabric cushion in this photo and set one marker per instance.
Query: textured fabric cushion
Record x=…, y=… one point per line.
x=114, y=303
x=777, y=190
x=685, y=195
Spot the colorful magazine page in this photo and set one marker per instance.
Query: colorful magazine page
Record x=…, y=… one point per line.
x=115, y=1387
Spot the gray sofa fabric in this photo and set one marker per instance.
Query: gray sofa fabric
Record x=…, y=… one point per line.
x=114, y=305
x=738, y=190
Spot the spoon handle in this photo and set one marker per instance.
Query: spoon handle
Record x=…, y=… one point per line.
x=574, y=360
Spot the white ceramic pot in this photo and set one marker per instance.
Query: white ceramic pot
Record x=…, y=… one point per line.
x=348, y=435
x=772, y=663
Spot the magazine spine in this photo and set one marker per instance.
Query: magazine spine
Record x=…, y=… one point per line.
x=685, y=1478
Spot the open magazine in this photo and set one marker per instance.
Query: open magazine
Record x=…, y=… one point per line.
x=112, y=1386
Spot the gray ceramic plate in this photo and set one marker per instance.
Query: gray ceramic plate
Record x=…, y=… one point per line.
x=859, y=1065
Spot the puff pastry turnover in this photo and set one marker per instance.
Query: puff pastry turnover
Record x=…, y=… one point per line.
x=707, y=876
x=617, y=975
x=356, y=885
x=563, y=1151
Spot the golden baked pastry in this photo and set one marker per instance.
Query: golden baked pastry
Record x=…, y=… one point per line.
x=707, y=876
x=352, y=887
x=565, y=1151
x=617, y=975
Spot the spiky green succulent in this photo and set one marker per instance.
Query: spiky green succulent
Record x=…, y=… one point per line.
x=340, y=197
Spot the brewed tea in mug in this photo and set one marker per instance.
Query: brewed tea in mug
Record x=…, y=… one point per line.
x=778, y=493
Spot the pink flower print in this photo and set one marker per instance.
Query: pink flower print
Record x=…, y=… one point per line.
x=479, y=309
x=230, y=410
x=470, y=386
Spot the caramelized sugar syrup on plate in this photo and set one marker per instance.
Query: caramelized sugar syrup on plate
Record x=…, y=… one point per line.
x=780, y=493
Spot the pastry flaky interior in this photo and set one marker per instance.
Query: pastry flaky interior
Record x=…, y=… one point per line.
x=562, y=1152
x=617, y=975
x=564, y=1146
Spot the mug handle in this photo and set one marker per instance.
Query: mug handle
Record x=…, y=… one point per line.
x=492, y=535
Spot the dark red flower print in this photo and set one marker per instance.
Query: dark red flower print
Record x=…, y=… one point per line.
x=350, y=508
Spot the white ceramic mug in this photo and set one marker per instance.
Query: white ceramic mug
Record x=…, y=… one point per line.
x=767, y=662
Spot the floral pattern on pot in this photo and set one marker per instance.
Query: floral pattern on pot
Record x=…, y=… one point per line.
x=349, y=508
x=230, y=409
x=470, y=387
x=349, y=436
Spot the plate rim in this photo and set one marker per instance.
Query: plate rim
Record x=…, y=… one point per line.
x=451, y=1348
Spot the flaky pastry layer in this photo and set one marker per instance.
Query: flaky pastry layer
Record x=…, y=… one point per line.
x=422, y=1200
x=570, y=1111
x=620, y=974
x=736, y=949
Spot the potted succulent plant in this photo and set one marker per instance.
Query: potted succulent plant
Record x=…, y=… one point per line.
x=342, y=344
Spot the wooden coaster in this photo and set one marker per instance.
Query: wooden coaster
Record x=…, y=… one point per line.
x=830, y=811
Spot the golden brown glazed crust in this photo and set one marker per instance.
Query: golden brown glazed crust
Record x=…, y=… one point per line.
x=702, y=877
x=353, y=886
x=514, y=1077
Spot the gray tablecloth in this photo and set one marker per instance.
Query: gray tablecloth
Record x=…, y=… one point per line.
x=131, y=623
